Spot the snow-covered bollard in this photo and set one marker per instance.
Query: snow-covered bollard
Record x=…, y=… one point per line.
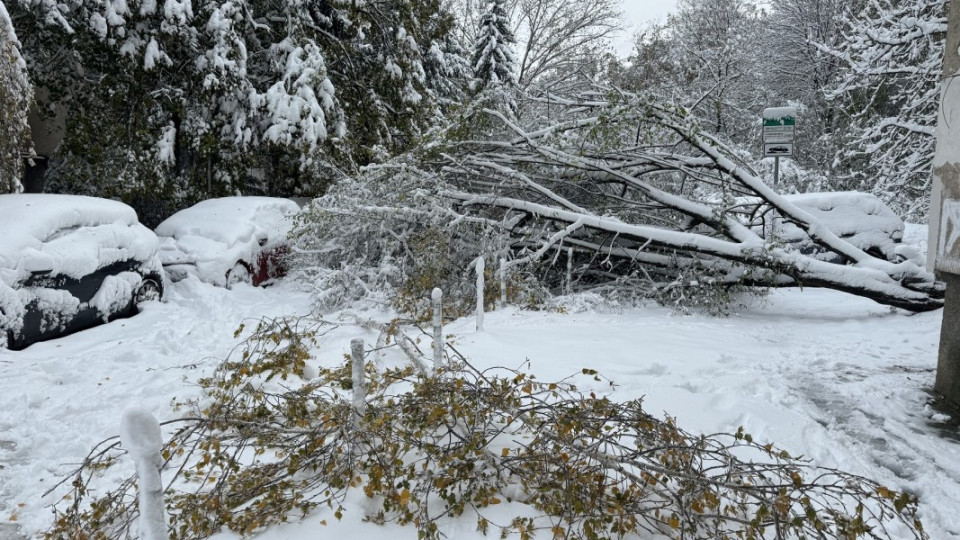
x=140, y=435
x=359, y=391
x=437, y=297
x=480, y=269
x=503, y=283
x=569, y=270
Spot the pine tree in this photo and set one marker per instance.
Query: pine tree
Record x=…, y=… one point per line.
x=207, y=98
x=493, y=62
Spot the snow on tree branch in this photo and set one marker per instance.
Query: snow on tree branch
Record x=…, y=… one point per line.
x=674, y=203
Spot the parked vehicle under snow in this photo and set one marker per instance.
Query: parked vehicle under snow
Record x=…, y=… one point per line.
x=68, y=262
x=228, y=240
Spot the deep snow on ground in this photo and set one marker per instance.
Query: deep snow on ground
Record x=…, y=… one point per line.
x=839, y=379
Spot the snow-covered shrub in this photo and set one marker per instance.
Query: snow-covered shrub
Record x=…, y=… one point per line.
x=553, y=460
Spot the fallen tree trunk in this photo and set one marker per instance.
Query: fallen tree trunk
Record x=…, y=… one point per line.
x=665, y=212
x=902, y=287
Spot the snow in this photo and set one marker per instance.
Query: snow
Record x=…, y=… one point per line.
x=776, y=113
x=115, y=292
x=34, y=235
x=838, y=379
x=859, y=218
x=140, y=433
x=213, y=235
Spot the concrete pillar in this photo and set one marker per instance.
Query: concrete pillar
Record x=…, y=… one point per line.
x=944, y=241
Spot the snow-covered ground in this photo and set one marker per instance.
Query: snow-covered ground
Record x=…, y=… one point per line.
x=836, y=378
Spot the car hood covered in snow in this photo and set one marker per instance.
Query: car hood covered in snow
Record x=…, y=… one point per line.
x=215, y=234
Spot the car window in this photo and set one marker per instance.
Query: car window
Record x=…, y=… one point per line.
x=60, y=233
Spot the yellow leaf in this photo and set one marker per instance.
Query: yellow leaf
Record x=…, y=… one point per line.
x=404, y=497
x=505, y=452
x=674, y=522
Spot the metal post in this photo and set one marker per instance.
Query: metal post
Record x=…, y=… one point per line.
x=359, y=391
x=140, y=436
x=776, y=171
x=437, y=297
x=503, y=283
x=480, y=287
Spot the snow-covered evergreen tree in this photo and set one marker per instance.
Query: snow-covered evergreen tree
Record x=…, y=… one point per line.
x=493, y=61
x=207, y=98
x=15, y=97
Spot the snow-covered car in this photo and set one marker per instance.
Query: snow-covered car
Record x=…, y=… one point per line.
x=228, y=240
x=861, y=219
x=69, y=262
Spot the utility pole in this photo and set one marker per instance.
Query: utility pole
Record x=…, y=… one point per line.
x=944, y=237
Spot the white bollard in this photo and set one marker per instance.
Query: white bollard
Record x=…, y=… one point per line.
x=503, y=283
x=359, y=391
x=437, y=297
x=480, y=269
x=140, y=435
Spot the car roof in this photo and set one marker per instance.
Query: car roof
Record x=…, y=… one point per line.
x=32, y=223
x=29, y=219
x=228, y=219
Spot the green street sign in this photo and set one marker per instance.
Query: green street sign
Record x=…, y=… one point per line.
x=779, y=127
x=780, y=121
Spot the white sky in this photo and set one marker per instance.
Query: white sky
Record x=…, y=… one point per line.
x=636, y=13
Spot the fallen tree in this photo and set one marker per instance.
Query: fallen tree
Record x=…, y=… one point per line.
x=619, y=187
x=269, y=444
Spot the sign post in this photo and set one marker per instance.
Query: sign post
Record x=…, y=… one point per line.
x=779, y=127
x=944, y=239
